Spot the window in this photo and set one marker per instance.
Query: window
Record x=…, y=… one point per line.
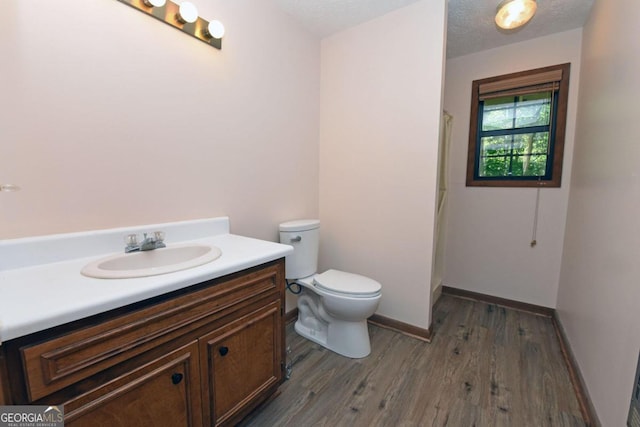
x=516, y=135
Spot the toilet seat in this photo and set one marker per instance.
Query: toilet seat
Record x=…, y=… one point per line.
x=347, y=284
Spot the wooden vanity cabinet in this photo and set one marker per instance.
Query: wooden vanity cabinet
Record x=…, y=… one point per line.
x=206, y=355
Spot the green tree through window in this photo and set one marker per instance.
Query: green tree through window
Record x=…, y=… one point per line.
x=515, y=127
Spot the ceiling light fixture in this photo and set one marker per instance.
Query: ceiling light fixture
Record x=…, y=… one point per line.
x=515, y=13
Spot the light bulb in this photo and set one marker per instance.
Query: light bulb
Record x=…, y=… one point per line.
x=515, y=13
x=187, y=13
x=154, y=3
x=215, y=29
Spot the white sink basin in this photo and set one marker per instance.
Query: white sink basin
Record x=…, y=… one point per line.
x=150, y=263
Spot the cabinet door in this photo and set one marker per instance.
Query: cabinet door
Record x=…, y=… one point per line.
x=4, y=381
x=244, y=364
x=162, y=392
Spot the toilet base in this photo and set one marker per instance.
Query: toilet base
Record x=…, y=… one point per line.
x=317, y=335
x=350, y=339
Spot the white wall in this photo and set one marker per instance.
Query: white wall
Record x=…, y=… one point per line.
x=379, y=122
x=489, y=230
x=109, y=117
x=599, y=285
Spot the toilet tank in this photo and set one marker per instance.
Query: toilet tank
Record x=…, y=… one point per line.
x=304, y=236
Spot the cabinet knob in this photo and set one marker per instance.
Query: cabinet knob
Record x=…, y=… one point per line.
x=223, y=351
x=176, y=378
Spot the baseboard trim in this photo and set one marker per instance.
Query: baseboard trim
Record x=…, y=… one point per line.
x=584, y=400
x=383, y=322
x=490, y=299
x=291, y=316
x=577, y=381
x=404, y=328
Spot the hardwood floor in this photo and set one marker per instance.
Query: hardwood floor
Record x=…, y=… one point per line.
x=486, y=366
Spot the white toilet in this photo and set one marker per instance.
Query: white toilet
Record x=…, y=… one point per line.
x=333, y=307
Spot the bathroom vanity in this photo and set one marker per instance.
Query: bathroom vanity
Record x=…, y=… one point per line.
x=203, y=346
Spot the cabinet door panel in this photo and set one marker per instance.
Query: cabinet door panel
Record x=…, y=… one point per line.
x=4, y=381
x=163, y=392
x=244, y=362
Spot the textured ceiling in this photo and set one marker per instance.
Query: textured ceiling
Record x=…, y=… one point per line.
x=470, y=26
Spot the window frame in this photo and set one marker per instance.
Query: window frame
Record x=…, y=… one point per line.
x=556, y=139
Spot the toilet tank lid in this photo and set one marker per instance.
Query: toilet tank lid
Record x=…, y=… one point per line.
x=300, y=225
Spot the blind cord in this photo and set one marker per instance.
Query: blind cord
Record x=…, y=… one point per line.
x=534, y=233
x=535, y=219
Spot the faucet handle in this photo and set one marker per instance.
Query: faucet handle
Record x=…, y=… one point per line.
x=159, y=236
x=132, y=243
x=131, y=239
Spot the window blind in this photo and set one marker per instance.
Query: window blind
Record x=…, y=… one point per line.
x=531, y=83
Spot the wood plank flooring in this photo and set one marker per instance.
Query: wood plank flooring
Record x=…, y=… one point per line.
x=486, y=366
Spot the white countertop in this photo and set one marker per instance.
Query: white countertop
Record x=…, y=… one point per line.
x=34, y=297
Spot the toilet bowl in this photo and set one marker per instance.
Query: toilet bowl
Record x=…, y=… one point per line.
x=333, y=306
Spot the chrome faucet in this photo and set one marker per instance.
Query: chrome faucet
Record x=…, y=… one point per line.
x=147, y=244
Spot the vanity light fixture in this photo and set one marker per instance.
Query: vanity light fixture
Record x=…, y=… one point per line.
x=512, y=14
x=215, y=29
x=154, y=3
x=187, y=13
x=184, y=17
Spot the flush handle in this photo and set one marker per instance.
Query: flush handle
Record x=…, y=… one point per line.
x=296, y=239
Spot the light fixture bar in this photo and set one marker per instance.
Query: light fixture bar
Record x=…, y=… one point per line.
x=169, y=14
